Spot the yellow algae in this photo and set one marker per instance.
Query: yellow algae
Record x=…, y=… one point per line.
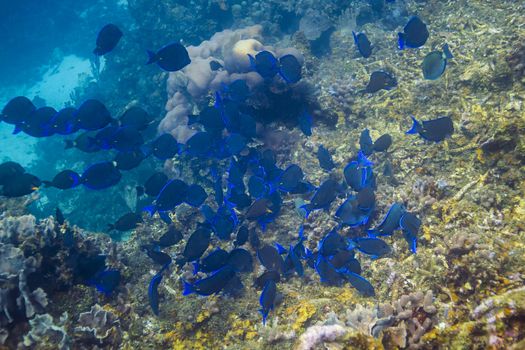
x=240, y=329
x=301, y=312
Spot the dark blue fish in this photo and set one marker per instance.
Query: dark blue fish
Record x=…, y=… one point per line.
x=290, y=178
x=274, y=208
x=129, y=160
x=328, y=274
x=171, y=195
x=136, y=117
x=211, y=262
x=236, y=197
x=104, y=137
x=197, y=244
x=215, y=65
x=63, y=122
x=260, y=281
x=325, y=158
x=38, y=124
x=107, y=39
x=223, y=222
x=100, y=176
x=237, y=91
x=234, y=144
x=295, y=261
x=196, y=195
x=305, y=122
x=153, y=293
x=84, y=142
x=92, y=115
x=158, y=256
x=358, y=173
x=350, y=214
x=210, y=118
x=364, y=46
x=155, y=183
x=236, y=173
x=341, y=258
x=365, y=143
x=64, y=180
x=164, y=147
x=257, y=187
x=323, y=197
x=241, y=260
x=126, y=139
x=242, y=236
x=380, y=80
x=171, y=58
x=200, y=144
x=435, y=130
x=259, y=208
x=390, y=222
x=382, y=144
x=267, y=299
x=435, y=62
x=360, y=283
x=212, y=284
x=10, y=170
x=126, y=222
x=331, y=244
x=59, y=216
x=17, y=110
x=265, y=64
x=372, y=246
x=270, y=258
x=171, y=237
x=410, y=225
x=290, y=69
x=254, y=240
x=20, y=185
x=415, y=34
x=302, y=188
x=107, y=281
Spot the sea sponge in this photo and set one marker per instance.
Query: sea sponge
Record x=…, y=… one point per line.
x=238, y=59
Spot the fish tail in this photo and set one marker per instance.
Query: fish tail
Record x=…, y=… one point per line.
x=307, y=208
x=150, y=209
x=355, y=37
x=264, y=315
x=195, y=267
x=401, y=41
x=152, y=57
x=188, y=288
x=17, y=129
x=165, y=217
x=252, y=62
x=69, y=144
x=415, y=126
x=446, y=52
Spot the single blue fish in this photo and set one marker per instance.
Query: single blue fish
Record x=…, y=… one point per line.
x=126, y=222
x=85, y=142
x=267, y=299
x=155, y=254
x=290, y=69
x=323, y=197
x=290, y=178
x=104, y=136
x=270, y=258
x=107, y=281
x=153, y=293
x=305, y=121
x=372, y=246
x=17, y=110
x=410, y=225
x=265, y=64
x=435, y=63
x=328, y=274
x=63, y=122
x=164, y=147
x=64, y=180
x=137, y=118
x=360, y=283
x=364, y=46
x=268, y=275
x=92, y=115
x=242, y=236
x=390, y=222
x=129, y=160
x=211, y=262
x=100, y=176
x=126, y=138
x=212, y=284
x=435, y=130
x=155, y=183
x=349, y=213
x=107, y=39
x=331, y=244
x=171, y=58
x=325, y=158
x=196, y=195
x=237, y=197
x=341, y=258
x=414, y=35
x=241, y=260
x=172, y=194
x=200, y=145
x=383, y=143
x=380, y=80
x=210, y=118
x=358, y=173
x=197, y=244
x=365, y=143
x=171, y=237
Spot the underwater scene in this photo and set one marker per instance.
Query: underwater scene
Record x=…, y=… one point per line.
x=246, y=174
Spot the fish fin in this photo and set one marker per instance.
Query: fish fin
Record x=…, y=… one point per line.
x=280, y=248
x=150, y=209
x=218, y=100
x=152, y=57
x=446, y=52
x=17, y=129
x=165, y=217
x=355, y=37
x=363, y=160
x=188, y=288
x=415, y=126
x=252, y=62
x=401, y=41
